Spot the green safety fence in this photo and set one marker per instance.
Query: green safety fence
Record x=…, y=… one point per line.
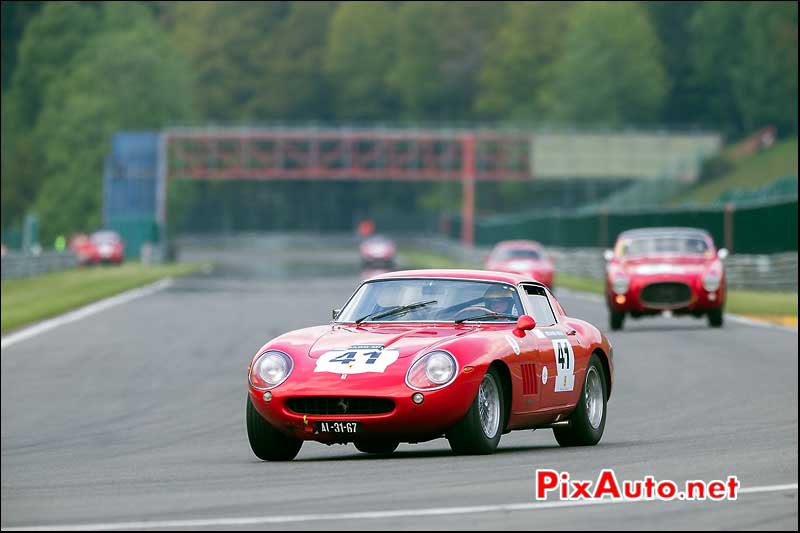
x=760, y=228
x=135, y=231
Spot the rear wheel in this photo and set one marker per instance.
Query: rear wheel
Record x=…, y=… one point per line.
x=588, y=420
x=715, y=318
x=377, y=446
x=480, y=430
x=267, y=442
x=617, y=319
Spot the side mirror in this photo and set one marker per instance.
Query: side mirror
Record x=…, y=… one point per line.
x=722, y=253
x=608, y=255
x=526, y=323
x=335, y=313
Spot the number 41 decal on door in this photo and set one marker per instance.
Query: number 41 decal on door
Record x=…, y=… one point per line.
x=565, y=365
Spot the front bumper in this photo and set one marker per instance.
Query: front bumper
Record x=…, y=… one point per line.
x=407, y=422
x=638, y=299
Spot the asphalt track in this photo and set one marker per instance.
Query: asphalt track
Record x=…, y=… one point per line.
x=134, y=418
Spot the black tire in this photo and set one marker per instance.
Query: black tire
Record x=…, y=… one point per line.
x=617, y=320
x=715, y=318
x=579, y=430
x=467, y=436
x=377, y=446
x=268, y=443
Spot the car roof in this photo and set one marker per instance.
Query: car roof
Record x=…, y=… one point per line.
x=482, y=275
x=519, y=244
x=646, y=232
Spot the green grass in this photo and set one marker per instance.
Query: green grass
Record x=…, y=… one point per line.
x=29, y=300
x=749, y=174
x=577, y=283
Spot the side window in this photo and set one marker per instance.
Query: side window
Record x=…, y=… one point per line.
x=540, y=305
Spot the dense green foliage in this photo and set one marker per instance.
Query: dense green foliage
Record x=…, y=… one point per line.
x=75, y=72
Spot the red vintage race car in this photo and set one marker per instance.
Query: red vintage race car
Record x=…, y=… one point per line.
x=101, y=247
x=377, y=251
x=522, y=257
x=416, y=355
x=665, y=269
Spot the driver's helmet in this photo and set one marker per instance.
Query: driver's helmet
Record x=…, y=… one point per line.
x=499, y=299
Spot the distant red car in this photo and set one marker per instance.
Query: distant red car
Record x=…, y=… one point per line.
x=665, y=269
x=101, y=247
x=377, y=251
x=522, y=257
x=416, y=355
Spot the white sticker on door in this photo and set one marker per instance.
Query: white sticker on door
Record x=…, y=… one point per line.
x=565, y=365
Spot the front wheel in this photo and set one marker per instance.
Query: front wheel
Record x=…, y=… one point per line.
x=588, y=420
x=617, y=320
x=715, y=318
x=480, y=430
x=267, y=442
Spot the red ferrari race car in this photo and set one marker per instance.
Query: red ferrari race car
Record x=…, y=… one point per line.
x=377, y=251
x=101, y=247
x=665, y=269
x=421, y=354
x=523, y=257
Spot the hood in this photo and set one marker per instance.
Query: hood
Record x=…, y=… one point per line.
x=521, y=265
x=408, y=340
x=666, y=264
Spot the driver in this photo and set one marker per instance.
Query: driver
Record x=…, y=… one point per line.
x=499, y=299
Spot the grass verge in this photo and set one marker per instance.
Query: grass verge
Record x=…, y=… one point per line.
x=29, y=300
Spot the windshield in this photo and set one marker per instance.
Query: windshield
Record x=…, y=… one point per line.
x=103, y=237
x=444, y=301
x=676, y=245
x=505, y=255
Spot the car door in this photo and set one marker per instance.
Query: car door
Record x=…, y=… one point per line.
x=556, y=348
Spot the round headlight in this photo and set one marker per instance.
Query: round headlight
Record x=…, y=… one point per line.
x=620, y=285
x=711, y=282
x=270, y=370
x=440, y=367
x=432, y=371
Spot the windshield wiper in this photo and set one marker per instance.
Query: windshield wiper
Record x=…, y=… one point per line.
x=396, y=310
x=487, y=315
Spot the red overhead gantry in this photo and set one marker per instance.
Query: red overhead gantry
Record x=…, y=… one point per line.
x=335, y=154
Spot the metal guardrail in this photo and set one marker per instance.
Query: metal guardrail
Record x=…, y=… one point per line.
x=22, y=265
x=744, y=271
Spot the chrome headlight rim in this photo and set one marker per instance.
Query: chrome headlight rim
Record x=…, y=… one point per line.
x=619, y=282
x=421, y=360
x=712, y=282
x=285, y=356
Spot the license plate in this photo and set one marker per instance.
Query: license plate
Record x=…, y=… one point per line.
x=338, y=427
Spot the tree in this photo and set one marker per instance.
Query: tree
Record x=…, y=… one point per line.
x=765, y=82
x=610, y=72
x=440, y=53
x=359, y=55
x=715, y=33
x=125, y=78
x=292, y=84
x=517, y=79
x=222, y=42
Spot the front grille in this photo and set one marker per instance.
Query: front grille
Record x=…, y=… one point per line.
x=323, y=405
x=666, y=295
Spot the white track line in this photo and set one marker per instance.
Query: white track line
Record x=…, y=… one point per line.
x=363, y=515
x=83, y=312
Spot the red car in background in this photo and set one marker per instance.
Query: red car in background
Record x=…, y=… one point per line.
x=522, y=257
x=665, y=269
x=377, y=251
x=463, y=354
x=101, y=247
